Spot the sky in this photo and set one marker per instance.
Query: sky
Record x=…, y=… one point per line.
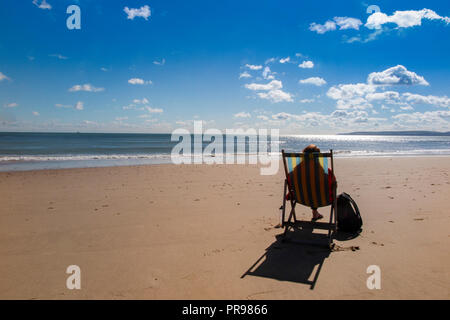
x=304, y=67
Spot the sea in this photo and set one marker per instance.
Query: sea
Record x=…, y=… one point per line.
x=32, y=151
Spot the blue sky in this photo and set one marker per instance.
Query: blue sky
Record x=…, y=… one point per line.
x=305, y=67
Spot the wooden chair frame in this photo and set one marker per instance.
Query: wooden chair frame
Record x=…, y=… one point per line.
x=292, y=221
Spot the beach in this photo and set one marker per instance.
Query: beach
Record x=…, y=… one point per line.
x=194, y=231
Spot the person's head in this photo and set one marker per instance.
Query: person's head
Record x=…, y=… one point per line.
x=311, y=148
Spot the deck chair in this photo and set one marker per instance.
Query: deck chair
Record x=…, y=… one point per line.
x=309, y=182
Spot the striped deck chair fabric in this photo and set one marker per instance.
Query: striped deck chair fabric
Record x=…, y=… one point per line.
x=310, y=179
x=310, y=182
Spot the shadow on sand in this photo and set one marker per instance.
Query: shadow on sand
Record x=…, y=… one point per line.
x=291, y=261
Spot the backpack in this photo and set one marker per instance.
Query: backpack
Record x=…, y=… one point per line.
x=348, y=216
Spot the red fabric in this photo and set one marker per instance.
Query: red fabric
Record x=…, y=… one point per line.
x=331, y=182
x=288, y=196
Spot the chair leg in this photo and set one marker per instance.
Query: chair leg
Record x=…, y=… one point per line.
x=330, y=233
x=291, y=214
x=284, y=204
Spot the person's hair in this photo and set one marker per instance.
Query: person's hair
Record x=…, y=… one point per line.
x=311, y=148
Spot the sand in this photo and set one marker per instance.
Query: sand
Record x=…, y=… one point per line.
x=193, y=232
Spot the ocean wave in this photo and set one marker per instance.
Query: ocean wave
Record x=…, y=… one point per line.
x=31, y=158
x=374, y=153
x=338, y=153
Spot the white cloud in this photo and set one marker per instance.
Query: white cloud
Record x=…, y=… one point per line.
x=443, y=101
x=343, y=23
x=429, y=119
x=397, y=75
x=139, y=81
x=154, y=110
x=263, y=117
x=316, y=121
x=306, y=100
x=403, y=19
x=42, y=5
x=273, y=92
x=270, y=60
x=141, y=101
x=350, y=91
x=351, y=96
x=284, y=60
x=104, y=69
x=253, y=67
x=347, y=23
x=353, y=117
x=355, y=103
x=361, y=95
x=121, y=118
x=276, y=96
x=79, y=105
x=85, y=87
x=346, y=113
x=59, y=56
x=143, y=12
x=272, y=85
x=242, y=115
x=245, y=74
x=322, y=28
x=372, y=36
x=11, y=105
x=386, y=95
x=283, y=116
x=307, y=118
x=160, y=63
x=35, y=113
x=3, y=77
x=306, y=65
x=132, y=107
x=313, y=80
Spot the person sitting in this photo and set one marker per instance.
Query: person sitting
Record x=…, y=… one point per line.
x=310, y=149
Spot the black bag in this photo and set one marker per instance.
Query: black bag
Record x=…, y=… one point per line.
x=348, y=216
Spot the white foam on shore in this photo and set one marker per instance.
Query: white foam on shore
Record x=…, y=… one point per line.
x=338, y=153
x=40, y=162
